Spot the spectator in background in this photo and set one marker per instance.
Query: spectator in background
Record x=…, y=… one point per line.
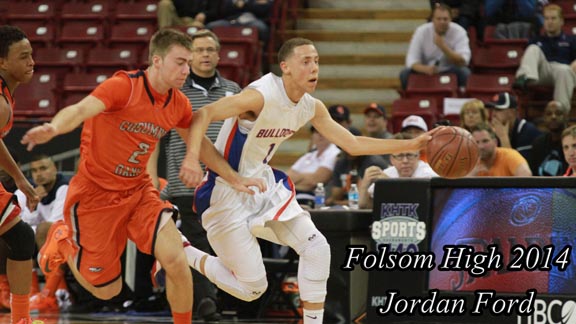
x=341, y=114
x=249, y=13
x=51, y=187
x=186, y=13
x=313, y=167
x=414, y=125
x=496, y=161
x=569, y=149
x=513, y=18
x=404, y=165
x=546, y=157
x=550, y=59
x=440, y=46
x=513, y=132
x=472, y=113
x=375, y=121
x=465, y=13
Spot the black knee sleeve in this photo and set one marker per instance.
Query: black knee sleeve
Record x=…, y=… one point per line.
x=20, y=241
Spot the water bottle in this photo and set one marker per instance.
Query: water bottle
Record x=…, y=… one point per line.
x=319, y=196
x=353, y=196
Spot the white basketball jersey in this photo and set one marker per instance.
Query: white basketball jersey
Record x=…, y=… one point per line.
x=249, y=145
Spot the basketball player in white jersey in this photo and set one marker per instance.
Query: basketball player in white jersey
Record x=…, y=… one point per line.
x=257, y=121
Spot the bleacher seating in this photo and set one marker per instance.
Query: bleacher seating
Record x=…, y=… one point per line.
x=131, y=34
x=58, y=60
x=497, y=59
x=43, y=11
x=108, y=60
x=437, y=86
x=84, y=33
x=143, y=10
x=485, y=86
x=490, y=41
x=246, y=37
x=233, y=63
x=38, y=97
x=83, y=83
x=39, y=33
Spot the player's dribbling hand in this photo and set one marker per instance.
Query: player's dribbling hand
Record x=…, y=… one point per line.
x=423, y=139
x=38, y=135
x=244, y=184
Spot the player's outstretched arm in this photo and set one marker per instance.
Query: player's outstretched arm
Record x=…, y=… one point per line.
x=65, y=121
x=362, y=145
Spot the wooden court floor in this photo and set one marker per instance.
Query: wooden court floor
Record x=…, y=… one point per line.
x=131, y=319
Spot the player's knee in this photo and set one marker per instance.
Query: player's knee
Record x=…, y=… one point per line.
x=20, y=239
x=174, y=263
x=254, y=289
x=314, y=269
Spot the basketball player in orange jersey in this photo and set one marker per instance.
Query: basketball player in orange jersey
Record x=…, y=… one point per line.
x=16, y=66
x=112, y=198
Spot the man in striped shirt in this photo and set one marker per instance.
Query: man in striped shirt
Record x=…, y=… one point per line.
x=203, y=86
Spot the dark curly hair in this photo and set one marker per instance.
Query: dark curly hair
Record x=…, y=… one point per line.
x=8, y=36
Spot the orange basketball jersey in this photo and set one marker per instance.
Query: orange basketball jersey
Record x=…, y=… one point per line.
x=116, y=144
x=6, y=94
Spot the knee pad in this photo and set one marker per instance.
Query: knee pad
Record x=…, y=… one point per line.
x=253, y=290
x=20, y=240
x=222, y=277
x=314, y=269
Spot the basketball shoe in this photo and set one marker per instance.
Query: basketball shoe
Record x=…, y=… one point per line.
x=42, y=303
x=57, y=249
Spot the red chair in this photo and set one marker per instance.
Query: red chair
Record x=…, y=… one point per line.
x=485, y=86
x=497, y=59
x=132, y=34
x=404, y=107
x=82, y=82
x=38, y=97
x=490, y=41
x=246, y=37
x=39, y=11
x=437, y=86
x=568, y=8
x=85, y=10
x=58, y=60
x=233, y=64
x=86, y=34
x=39, y=33
x=144, y=11
x=103, y=59
x=570, y=27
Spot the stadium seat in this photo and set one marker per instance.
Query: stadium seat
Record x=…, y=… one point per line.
x=490, y=41
x=82, y=82
x=570, y=27
x=404, y=107
x=143, y=11
x=38, y=99
x=39, y=11
x=39, y=33
x=58, y=60
x=246, y=37
x=234, y=63
x=87, y=34
x=85, y=10
x=497, y=59
x=485, y=86
x=131, y=34
x=103, y=59
x=568, y=8
x=437, y=86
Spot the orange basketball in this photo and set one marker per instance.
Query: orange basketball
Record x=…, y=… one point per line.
x=452, y=152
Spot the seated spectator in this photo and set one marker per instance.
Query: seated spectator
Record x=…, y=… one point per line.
x=414, y=125
x=313, y=167
x=513, y=19
x=375, y=121
x=341, y=114
x=465, y=13
x=550, y=59
x=472, y=113
x=51, y=186
x=512, y=132
x=496, y=161
x=350, y=169
x=440, y=46
x=569, y=149
x=249, y=13
x=404, y=165
x=186, y=13
x=547, y=158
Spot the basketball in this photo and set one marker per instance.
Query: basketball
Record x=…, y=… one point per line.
x=452, y=152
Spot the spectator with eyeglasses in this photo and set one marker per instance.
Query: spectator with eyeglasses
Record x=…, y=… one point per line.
x=404, y=165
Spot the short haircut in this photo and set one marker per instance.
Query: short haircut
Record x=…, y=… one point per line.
x=205, y=33
x=287, y=48
x=8, y=36
x=39, y=157
x=164, y=39
x=570, y=131
x=442, y=7
x=484, y=127
x=554, y=7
